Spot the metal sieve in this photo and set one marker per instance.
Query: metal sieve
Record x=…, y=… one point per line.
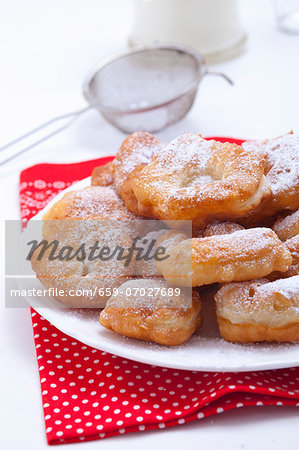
x=147, y=88
x=144, y=89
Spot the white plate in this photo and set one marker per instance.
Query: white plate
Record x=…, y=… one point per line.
x=205, y=351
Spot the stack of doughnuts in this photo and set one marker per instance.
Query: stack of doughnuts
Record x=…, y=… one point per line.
x=243, y=203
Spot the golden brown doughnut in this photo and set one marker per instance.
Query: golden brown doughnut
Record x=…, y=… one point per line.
x=242, y=255
x=199, y=180
x=287, y=227
x=281, y=162
x=84, y=284
x=166, y=320
x=103, y=175
x=259, y=310
x=93, y=202
x=94, y=214
x=136, y=151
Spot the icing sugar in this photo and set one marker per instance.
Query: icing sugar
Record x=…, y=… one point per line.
x=217, y=227
x=150, y=294
x=289, y=287
x=188, y=156
x=99, y=201
x=275, y=304
x=191, y=170
x=281, y=156
x=243, y=244
x=287, y=226
x=137, y=150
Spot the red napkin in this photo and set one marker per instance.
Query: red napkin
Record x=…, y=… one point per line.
x=89, y=394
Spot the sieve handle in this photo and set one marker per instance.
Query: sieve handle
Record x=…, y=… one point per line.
x=220, y=74
x=41, y=133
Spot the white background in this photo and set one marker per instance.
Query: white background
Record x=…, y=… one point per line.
x=45, y=50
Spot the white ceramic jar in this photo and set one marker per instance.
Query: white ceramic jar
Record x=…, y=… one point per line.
x=212, y=27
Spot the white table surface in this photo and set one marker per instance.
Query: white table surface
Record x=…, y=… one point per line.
x=45, y=50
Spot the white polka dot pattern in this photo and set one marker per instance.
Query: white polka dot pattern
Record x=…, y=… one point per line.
x=88, y=394
x=95, y=394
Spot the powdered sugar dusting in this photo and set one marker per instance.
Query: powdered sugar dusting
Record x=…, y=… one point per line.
x=217, y=227
x=281, y=156
x=243, y=244
x=189, y=155
x=193, y=178
x=275, y=304
x=104, y=223
x=289, y=287
x=287, y=227
x=150, y=294
x=102, y=202
x=136, y=151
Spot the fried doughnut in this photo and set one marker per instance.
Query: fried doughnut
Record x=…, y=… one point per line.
x=90, y=203
x=216, y=227
x=103, y=175
x=93, y=202
x=136, y=151
x=293, y=246
x=242, y=255
x=199, y=180
x=281, y=162
x=259, y=311
x=94, y=214
x=163, y=319
x=287, y=227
